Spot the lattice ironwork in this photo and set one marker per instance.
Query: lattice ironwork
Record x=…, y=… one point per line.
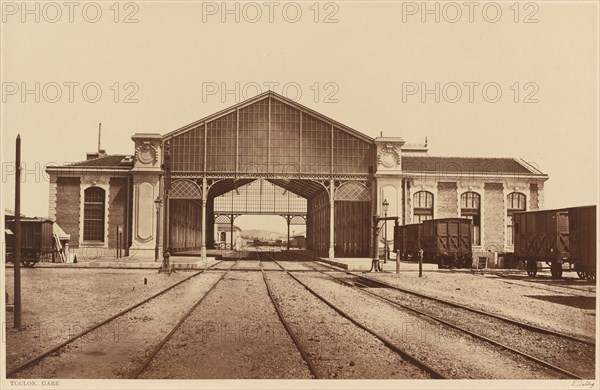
x=353, y=192
x=222, y=219
x=271, y=137
x=185, y=189
x=260, y=197
x=298, y=220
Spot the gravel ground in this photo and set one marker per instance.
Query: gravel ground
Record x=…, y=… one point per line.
x=527, y=302
x=338, y=348
x=295, y=266
x=235, y=333
x=562, y=286
x=452, y=353
x=119, y=347
x=58, y=303
x=247, y=265
x=270, y=266
x=224, y=265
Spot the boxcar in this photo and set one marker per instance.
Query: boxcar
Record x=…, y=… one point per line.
x=447, y=242
x=407, y=241
x=582, y=237
x=37, y=241
x=542, y=235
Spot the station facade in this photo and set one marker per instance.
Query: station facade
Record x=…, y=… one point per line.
x=341, y=175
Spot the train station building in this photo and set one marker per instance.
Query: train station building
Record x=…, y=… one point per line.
x=272, y=156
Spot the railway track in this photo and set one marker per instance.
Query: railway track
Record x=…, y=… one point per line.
x=549, y=284
x=40, y=357
x=431, y=371
x=286, y=325
x=405, y=300
x=136, y=374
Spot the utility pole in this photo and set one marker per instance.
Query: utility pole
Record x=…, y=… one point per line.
x=17, y=269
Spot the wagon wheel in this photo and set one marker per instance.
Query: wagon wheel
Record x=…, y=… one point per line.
x=591, y=276
x=28, y=263
x=532, y=268
x=581, y=274
x=556, y=270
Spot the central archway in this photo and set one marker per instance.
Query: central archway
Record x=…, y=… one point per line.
x=270, y=139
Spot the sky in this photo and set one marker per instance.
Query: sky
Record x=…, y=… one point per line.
x=492, y=81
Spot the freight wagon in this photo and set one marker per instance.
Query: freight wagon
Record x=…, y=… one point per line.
x=582, y=236
x=37, y=240
x=447, y=242
x=556, y=237
x=542, y=236
x=407, y=241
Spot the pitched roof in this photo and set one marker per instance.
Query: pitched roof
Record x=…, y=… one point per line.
x=11, y=212
x=113, y=161
x=459, y=165
x=227, y=227
x=262, y=96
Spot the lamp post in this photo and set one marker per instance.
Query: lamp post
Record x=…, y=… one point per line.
x=166, y=265
x=158, y=203
x=385, y=206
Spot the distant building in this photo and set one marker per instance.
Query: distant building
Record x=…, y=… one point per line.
x=298, y=241
x=223, y=235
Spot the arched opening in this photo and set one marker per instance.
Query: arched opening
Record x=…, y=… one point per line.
x=93, y=215
x=515, y=202
x=470, y=207
x=422, y=206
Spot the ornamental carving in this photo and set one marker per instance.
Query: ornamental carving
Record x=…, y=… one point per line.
x=388, y=156
x=146, y=153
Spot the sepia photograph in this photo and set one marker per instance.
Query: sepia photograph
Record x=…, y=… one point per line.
x=299, y=194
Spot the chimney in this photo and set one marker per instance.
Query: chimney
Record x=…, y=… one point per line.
x=101, y=152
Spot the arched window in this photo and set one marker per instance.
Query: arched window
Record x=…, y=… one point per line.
x=223, y=236
x=515, y=202
x=422, y=206
x=470, y=203
x=93, y=214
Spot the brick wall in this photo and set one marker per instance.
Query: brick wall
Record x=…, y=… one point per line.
x=446, y=205
x=493, y=217
x=67, y=207
x=52, y=197
x=533, y=197
x=117, y=208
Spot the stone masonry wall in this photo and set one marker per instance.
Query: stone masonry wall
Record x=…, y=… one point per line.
x=446, y=205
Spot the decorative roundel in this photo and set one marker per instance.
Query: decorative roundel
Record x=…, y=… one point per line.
x=388, y=157
x=146, y=153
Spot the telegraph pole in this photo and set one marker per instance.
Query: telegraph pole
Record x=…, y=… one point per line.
x=17, y=261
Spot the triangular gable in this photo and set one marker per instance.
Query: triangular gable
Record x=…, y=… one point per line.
x=259, y=98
